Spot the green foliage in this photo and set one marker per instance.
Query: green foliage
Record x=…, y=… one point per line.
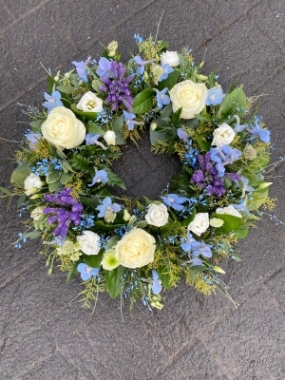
x=20, y=174
x=170, y=81
x=114, y=281
x=233, y=103
x=143, y=101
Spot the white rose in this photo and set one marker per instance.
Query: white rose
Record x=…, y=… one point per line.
x=90, y=103
x=89, y=243
x=135, y=249
x=32, y=183
x=63, y=129
x=169, y=58
x=37, y=213
x=223, y=135
x=229, y=210
x=110, y=137
x=200, y=223
x=190, y=96
x=157, y=215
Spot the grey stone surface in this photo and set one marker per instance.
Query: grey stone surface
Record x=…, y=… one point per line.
x=44, y=332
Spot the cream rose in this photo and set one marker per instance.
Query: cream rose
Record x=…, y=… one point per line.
x=90, y=103
x=190, y=96
x=89, y=243
x=169, y=58
x=200, y=223
x=135, y=249
x=223, y=135
x=63, y=129
x=110, y=137
x=157, y=215
x=229, y=210
x=32, y=183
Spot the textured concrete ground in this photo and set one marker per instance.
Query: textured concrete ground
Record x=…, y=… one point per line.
x=44, y=333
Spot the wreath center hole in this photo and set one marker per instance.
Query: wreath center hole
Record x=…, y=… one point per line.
x=144, y=173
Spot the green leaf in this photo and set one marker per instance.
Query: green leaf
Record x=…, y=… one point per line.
x=236, y=257
x=6, y=191
x=231, y=223
x=36, y=125
x=241, y=233
x=54, y=176
x=113, y=241
x=118, y=123
x=94, y=128
x=257, y=198
x=32, y=235
x=21, y=200
x=170, y=81
x=115, y=180
x=166, y=111
x=88, y=115
x=175, y=118
x=51, y=83
x=65, y=89
x=114, y=281
x=190, y=217
x=94, y=261
x=96, y=83
x=202, y=142
x=65, y=178
x=54, y=186
x=162, y=45
x=100, y=225
x=119, y=138
x=143, y=101
x=20, y=174
x=155, y=137
x=164, y=277
x=231, y=103
x=71, y=273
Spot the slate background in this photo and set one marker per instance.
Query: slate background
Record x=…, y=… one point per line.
x=44, y=333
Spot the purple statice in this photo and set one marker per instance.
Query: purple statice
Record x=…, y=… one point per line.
x=69, y=212
x=117, y=87
x=207, y=177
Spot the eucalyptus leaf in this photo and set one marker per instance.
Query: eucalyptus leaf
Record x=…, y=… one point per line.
x=65, y=89
x=118, y=123
x=54, y=176
x=20, y=174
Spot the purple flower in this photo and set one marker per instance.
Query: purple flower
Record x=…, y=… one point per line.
x=117, y=87
x=215, y=95
x=33, y=139
x=166, y=71
x=107, y=205
x=86, y=272
x=63, y=216
x=174, y=201
x=161, y=97
x=156, y=283
x=100, y=177
x=104, y=67
x=52, y=100
x=141, y=63
x=82, y=69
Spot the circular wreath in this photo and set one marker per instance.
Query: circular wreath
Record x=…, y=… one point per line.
x=131, y=247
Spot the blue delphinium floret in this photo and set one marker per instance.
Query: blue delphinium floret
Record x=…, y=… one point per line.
x=100, y=177
x=215, y=95
x=106, y=205
x=52, y=101
x=175, y=201
x=161, y=98
x=86, y=272
x=82, y=69
x=156, y=283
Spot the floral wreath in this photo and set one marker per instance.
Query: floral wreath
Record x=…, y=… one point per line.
x=124, y=246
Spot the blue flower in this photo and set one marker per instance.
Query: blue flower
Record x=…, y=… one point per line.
x=43, y=166
x=215, y=95
x=56, y=164
x=166, y=71
x=82, y=69
x=100, y=177
x=104, y=68
x=223, y=156
x=33, y=139
x=87, y=272
x=129, y=119
x=141, y=63
x=196, y=248
x=174, y=201
x=107, y=205
x=161, y=98
x=52, y=100
x=138, y=38
x=156, y=283
x=263, y=134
